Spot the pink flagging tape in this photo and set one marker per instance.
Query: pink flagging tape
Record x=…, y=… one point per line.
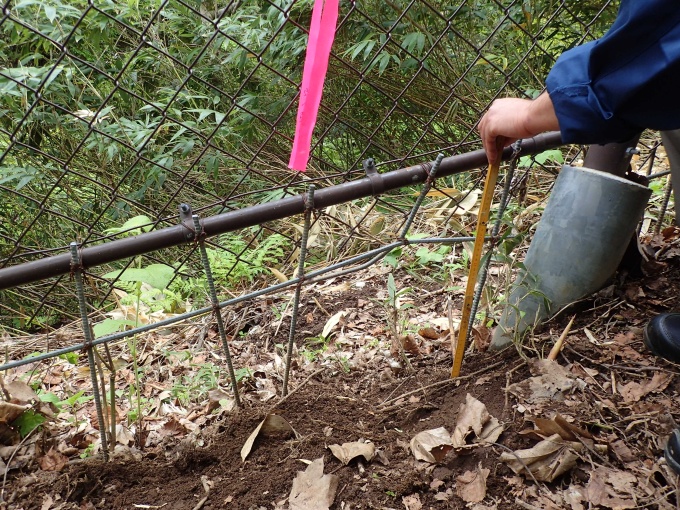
x=321, y=35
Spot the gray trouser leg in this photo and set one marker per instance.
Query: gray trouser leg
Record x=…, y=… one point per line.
x=671, y=142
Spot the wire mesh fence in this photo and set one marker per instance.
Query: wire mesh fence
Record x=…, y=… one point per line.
x=111, y=115
x=120, y=120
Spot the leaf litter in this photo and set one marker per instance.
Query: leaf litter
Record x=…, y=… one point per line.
x=586, y=431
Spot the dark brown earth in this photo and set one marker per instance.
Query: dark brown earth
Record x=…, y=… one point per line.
x=336, y=407
x=347, y=403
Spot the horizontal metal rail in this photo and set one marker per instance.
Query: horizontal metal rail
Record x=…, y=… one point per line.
x=375, y=184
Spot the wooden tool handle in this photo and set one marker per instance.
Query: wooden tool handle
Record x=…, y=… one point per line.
x=483, y=220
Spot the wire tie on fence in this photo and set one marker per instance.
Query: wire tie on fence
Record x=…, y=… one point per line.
x=199, y=231
x=428, y=169
x=431, y=172
x=516, y=150
x=185, y=214
x=76, y=261
x=377, y=184
x=308, y=198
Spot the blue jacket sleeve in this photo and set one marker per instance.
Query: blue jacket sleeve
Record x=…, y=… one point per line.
x=613, y=88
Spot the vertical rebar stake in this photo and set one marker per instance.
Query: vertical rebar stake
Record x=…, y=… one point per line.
x=423, y=193
x=505, y=195
x=216, y=305
x=664, y=205
x=309, y=207
x=76, y=269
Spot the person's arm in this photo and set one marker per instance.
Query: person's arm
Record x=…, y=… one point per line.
x=606, y=90
x=511, y=119
x=611, y=89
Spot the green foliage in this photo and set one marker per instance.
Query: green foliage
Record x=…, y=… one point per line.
x=71, y=357
x=242, y=374
x=194, y=387
x=146, y=286
x=139, y=405
x=133, y=226
x=157, y=276
x=553, y=156
x=28, y=421
x=314, y=347
x=657, y=186
x=426, y=256
x=111, y=326
x=244, y=261
x=69, y=404
x=88, y=452
x=396, y=307
x=393, y=257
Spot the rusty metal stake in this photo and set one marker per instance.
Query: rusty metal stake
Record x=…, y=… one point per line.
x=216, y=305
x=76, y=268
x=664, y=205
x=309, y=207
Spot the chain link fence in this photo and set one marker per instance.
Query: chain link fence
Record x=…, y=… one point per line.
x=113, y=114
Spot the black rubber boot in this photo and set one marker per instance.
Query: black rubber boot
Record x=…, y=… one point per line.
x=662, y=336
x=672, y=451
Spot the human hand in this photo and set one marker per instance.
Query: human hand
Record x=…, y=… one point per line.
x=513, y=118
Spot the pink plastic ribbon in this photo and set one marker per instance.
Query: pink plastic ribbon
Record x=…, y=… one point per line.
x=321, y=35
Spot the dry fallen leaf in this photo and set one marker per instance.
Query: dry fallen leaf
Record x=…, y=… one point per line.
x=547, y=460
x=471, y=485
x=431, y=445
x=473, y=417
x=551, y=383
x=611, y=488
x=21, y=392
x=47, y=502
x=481, y=335
x=412, y=502
x=332, y=322
x=272, y=424
x=215, y=397
x=52, y=461
x=282, y=278
x=172, y=427
x=634, y=391
x=409, y=344
x=621, y=451
x=348, y=451
x=124, y=435
x=10, y=412
x=429, y=333
x=559, y=425
x=312, y=490
x=574, y=496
